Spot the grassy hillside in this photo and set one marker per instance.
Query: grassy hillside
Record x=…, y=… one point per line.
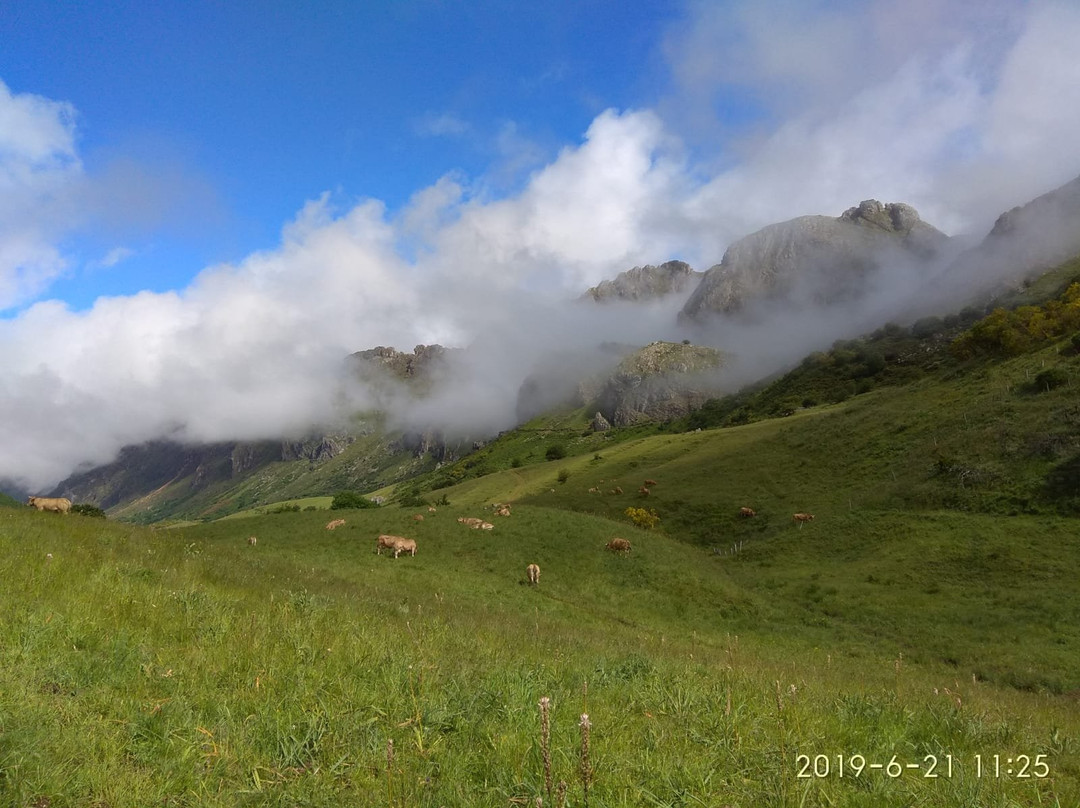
x=185, y=667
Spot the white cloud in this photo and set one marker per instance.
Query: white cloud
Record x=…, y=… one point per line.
x=113, y=257
x=38, y=161
x=441, y=124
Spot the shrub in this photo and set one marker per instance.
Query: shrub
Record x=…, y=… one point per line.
x=643, y=518
x=516, y=463
x=564, y=475
x=555, y=452
x=1051, y=378
x=86, y=509
x=350, y=499
x=286, y=509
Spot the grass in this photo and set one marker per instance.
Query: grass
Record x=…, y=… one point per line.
x=185, y=667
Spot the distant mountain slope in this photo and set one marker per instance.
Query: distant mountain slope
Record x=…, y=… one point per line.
x=166, y=479
x=647, y=283
x=819, y=258
x=1023, y=244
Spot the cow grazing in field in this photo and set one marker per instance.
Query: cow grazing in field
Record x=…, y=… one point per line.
x=335, y=524
x=643, y=491
x=619, y=546
x=54, y=504
x=747, y=513
x=650, y=482
x=418, y=517
x=252, y=541
x=800, y=518
x=616, y=490
x=532, y=572
x=404, y=546
x=594, y=490
x=386, y=542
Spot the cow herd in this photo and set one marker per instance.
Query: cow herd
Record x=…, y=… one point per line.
x=399, y=544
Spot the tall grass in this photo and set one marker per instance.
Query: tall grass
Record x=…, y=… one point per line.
x=187, y=668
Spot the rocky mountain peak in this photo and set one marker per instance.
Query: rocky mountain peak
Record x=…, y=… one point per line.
x=647, y=283
x=829, y=259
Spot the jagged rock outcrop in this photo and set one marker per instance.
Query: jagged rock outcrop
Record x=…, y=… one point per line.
x=815, y=258
x=600, y=423
x=421, y=363
x=315, y=449
x=647, y=283
x=663, y=380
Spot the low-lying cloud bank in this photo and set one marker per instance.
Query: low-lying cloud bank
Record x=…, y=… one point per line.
x=962, y=129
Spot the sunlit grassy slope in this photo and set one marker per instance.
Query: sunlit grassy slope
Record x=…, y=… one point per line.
x=186, y=667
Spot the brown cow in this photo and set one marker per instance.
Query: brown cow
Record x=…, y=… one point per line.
x=471, y=521
x=747, y=512
x=418, y=517
x=386, y=543
x=532, y=572
x=485, y=526
x=799, y=518
x=650, y=482
x=619, y=546
x=643, y=491
x=503, y=510
x=54, y=504
x=431, y=509
x=252, y=540
x=404, y=546
x=335, y=524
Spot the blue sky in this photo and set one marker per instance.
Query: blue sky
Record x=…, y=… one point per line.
x=205, y=206
x=239, y=112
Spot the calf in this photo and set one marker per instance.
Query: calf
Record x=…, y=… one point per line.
x=252, y=540
x=335, y=524
x=418, y=517
x=650, y=482
x=532, y=572
x=799, y=518
x=747, y=513
x=619, y=545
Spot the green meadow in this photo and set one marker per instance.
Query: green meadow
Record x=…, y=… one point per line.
x=186, y=667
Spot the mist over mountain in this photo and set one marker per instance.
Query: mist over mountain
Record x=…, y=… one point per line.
x=778, y=294
x=1024, y=241
x=647, y=282
x=817, y=259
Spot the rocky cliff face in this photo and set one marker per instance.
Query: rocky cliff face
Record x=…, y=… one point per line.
x=663, y=380
x=824, y=259
x=647, y=283
x=423, y=362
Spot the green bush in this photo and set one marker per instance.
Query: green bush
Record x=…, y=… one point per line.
x=85, y=509
x=350, y=499
x=1051, y=378
x=555, y=452
x=564, y=475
